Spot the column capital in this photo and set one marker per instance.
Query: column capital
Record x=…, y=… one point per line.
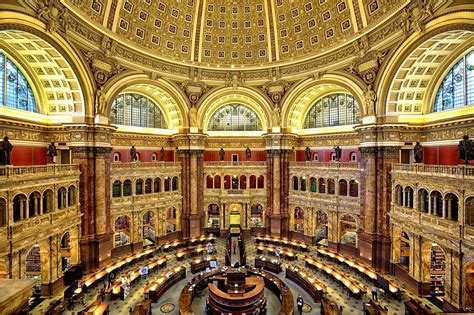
x=280, y=141
x=189, y=141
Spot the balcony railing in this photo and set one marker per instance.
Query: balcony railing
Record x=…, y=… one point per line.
x=458, y=171
x=37, y=170
x=327, y=165
x=140, y=165
x=235, y=163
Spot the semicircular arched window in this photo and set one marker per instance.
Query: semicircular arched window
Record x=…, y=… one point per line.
x=235, y=117
x=15, y=91
x=333, y=110
x=457, y=88
x=133, y=109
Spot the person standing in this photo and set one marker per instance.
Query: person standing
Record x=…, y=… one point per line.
x=374, y=293
x=299, y=303
x=234, y=245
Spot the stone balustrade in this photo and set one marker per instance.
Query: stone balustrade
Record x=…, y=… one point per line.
x=9, y=172
x=454, y=171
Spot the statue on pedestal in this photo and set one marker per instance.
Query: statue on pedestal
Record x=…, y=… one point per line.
x=133, y=154
x=248, y=153
x=418, y=153
x=337, y=152
x=222, y=154
x=162, y=154
x=6, y=150
x=307, y=153
x=51, y=151
x=466, y=148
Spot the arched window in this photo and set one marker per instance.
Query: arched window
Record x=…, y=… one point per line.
x=117, y=189
x=15, y=91
x=333, y=110
x=451, y=206
x=19, y=208
x=331, y=186
x=174, y=183
x=116, y=157
x=253, y=181
x=256, y=215
x=62, y=198
x=322, y=185
x=408, y=197
x=457, y=88
x=213, y=214
x=71, y=196
x=312, y=183
x=261, y=182
x=34, y=204
x=209, y=182
x=153, y=157
x=217, y=181
x=353, y=156
x=227, y=182
x=235, y=117
x=139, y=187
x=295, y=183
x=122, y=231
x=132, y=109
x=437, y=203
x=47, y=201
x=157, y=185
x=127, y=188
x=342, y=187
x=148, y=184
x=423, y=200
x=348, y=226
x=469, y=208
x=303, y=183
x=167, y=183
x=353, y=188
x=243, y=182
x=399, y=195
x=3, y=212
x=316, y=157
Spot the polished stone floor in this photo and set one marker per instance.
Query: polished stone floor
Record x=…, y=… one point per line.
x=335, y=291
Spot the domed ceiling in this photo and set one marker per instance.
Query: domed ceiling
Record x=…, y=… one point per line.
x=233, y=34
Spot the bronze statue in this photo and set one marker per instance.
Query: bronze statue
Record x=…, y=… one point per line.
x=465, y=148
x=162, y=154
x=6, y=148
x=222, y=154
x=418, y=153
x=51, y=151
x=133, y=153
x=307, y=153
x=337, y=152
x=248, y=153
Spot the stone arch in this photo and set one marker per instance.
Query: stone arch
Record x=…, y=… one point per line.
x=302, y=96
x=469, y=210
x=73, y=68
x=431, y=271
x=299, y=215
x=348, y=229
x=122, y=230
x=452, y=29
x=166, y=95
x=250, y=97
x=148, y=219
x=3, y=212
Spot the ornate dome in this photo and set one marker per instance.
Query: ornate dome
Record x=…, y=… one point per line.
x=234, y=34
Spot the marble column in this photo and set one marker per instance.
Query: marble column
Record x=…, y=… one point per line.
x=374, y=234
x=94, y=197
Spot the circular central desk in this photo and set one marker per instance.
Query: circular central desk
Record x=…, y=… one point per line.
x=201, y=281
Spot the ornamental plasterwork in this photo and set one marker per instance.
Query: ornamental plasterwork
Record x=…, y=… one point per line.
x=335, y=17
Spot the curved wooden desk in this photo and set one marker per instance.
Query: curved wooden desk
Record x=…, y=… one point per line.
x=272, y=282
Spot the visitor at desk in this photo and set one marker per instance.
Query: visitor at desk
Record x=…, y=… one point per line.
x=299, y=303
x=210, y=248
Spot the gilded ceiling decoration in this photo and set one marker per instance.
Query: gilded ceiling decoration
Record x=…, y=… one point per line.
x=233, y=34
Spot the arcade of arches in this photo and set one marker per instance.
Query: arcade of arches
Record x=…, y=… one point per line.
x=332, y=123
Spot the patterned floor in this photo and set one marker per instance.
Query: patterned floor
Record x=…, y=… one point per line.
x=170, y=298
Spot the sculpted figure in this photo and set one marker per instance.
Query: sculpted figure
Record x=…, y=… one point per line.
x=248, y=153
x=465, y=148
x=370, y=98
x=276, y=116
x=162, y=154
x=7, y=148
x=307, y=153
x=133, y=153
x=338, y=152
x=418, y=153
x=222, y=154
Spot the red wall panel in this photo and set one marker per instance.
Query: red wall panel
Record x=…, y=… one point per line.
x=325, y=155
x=26, y=156
x=145, y=155
x=210, y=156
